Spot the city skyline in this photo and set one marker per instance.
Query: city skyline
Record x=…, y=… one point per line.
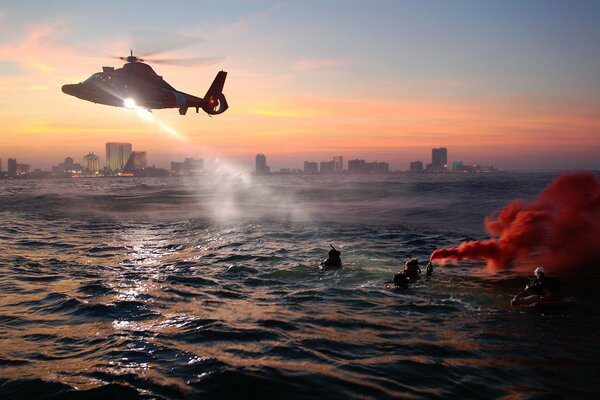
x=121, y=158
x=520, y=90
x=247, y=162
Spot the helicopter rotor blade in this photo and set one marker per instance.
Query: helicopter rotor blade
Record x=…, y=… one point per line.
x=149, y=43
x=187, y=62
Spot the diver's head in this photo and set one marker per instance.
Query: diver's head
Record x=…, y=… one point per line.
x=412, y=261
x=539, y=272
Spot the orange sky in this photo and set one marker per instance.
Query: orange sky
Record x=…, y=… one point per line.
x=295, y=109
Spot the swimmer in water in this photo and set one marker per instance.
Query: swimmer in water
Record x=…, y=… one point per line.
x=333, y=259
x=538, y=290
x=410, y=273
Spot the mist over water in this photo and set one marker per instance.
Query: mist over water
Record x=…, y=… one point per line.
x=184, y=287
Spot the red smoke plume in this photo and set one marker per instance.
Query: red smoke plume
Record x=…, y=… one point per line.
x=559, y=230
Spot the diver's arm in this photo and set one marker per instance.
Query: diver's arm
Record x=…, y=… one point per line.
x=525, y=292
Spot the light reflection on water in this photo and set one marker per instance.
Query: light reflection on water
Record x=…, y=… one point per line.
x=184, y=304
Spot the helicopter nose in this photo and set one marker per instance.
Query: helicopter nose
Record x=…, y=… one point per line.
x=70, y=89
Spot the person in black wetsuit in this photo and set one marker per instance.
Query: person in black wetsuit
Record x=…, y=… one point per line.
x=410, y=273
x=333, y=259
x=540, y=289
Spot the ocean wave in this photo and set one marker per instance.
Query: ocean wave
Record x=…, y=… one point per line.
x=181, y=289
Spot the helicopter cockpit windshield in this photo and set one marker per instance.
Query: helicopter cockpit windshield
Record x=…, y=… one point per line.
x=94, y=78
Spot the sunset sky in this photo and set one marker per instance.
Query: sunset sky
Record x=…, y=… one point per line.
x=512, y=83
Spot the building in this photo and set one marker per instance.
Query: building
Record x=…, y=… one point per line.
x=379, y=168
x=68, y=167
x=117, y=155
x=12, y=167
x=356, y=166
x=136, y=162
x=261, y=165
x=363, y=167
x=439, y=160
x=0, y=164
x=190, y=166
x=416, y=166
x=311, y=167
x=176, y=168
x=338, y=164
x=193, y=165
x=91, y=163
x=23, y=169
x=327, y=167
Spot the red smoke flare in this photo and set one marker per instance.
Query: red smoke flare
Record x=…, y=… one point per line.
x=559, y=230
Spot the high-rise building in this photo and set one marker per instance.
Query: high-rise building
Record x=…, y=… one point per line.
x=311, y=167
x=416, y=166
x=12, y=167
x=356, y=166
x=261, y=165
x=0, y=164
x=327, y=167
x=136, y=162
x=117, y=155
x=338, y=164
x=439, y=159
x=91, y=163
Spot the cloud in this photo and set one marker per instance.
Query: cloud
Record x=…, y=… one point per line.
x=39, y=51
x=314, y=63
x=10, y=68
x=243, y=23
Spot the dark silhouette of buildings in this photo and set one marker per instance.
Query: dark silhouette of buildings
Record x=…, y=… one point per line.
x=338, y=164
x=362, y=167
x=12, y=167
x=458, y=166
x=439, y=160
x=311, y=167
x=23, y=169
x=190, y=166
x=193, y=165
x=327, y=167
x=67, y=168
x=356, y=166
x=416, y=166
x=177, y=168
x=261, y=165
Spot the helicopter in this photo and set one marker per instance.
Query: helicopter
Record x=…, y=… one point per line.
x=137, y=85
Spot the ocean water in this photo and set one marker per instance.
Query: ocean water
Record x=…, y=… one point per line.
x=209, y=287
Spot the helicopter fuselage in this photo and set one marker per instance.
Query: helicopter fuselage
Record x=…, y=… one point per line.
x=137, y=84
